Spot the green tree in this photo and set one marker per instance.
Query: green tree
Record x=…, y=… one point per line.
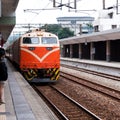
x=90, y=27
x=65, y=33
x=58, y=30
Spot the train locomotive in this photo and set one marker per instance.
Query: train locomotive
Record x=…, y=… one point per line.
x=37, y=54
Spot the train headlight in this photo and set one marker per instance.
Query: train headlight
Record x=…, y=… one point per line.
x=31, y=48
x=49, y=48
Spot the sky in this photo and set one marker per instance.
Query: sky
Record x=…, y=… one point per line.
x=23, y=15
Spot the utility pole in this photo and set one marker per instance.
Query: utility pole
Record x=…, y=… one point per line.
x=54, y=3
x=117, y=7
x=103, y=4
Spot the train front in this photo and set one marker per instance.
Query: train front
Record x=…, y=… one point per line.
x=40, y=57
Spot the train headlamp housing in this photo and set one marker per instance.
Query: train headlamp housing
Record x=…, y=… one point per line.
x=39, y=34
x=49, y=48
x=31, y=48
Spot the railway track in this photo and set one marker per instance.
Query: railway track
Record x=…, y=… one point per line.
x=92, y=72
x=67, y=107
x=110, y=93
x=82, y=96
x=114, y=94
x=99, y=101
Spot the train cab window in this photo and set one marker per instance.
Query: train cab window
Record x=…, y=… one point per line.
x=30, y=40
x=49, y=40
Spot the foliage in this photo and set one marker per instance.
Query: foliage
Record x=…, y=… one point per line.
x=89, y=25
x=65, y=33
x=58, y=30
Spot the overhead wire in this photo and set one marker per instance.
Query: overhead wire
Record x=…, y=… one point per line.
x=39, y=11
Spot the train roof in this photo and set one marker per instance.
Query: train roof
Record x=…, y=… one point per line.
x=113, y=34
x=38, y=33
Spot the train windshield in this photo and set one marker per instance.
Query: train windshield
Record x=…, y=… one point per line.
x=49, y=40
x=30, y=40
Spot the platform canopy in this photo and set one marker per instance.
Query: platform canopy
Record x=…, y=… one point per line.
x=7, y=17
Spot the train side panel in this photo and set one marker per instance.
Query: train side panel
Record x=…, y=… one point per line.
x=16, y=52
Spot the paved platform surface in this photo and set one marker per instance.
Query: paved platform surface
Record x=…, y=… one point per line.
x=22, y=102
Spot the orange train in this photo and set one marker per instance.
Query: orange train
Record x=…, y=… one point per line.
x=37, y=53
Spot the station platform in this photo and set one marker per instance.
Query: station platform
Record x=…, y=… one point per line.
x=21, y=101
x=110, y=68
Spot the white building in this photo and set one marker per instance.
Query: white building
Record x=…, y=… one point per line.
x=107, y=19
x=79, y=25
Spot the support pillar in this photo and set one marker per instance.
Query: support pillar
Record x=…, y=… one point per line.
x=108, y=51
x=92, y=51
x=80, y=51
x=62, y=51
x=71, y=51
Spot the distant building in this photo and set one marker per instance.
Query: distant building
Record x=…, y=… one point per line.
x=80, y=25
x=107, y=19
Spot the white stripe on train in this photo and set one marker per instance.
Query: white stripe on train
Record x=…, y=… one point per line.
x=37, y=57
